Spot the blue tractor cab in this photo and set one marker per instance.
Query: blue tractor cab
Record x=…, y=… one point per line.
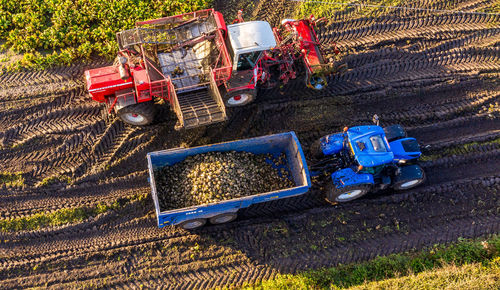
x=371, y=158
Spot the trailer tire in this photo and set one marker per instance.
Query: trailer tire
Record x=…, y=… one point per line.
x=140, y=114
x=193, y=224
x=316, y=151
x=394, y=132
x=345, y=194
x=239, y=98
x=223, y=218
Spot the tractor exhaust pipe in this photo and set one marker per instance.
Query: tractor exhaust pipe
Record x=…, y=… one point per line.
x=123, y=68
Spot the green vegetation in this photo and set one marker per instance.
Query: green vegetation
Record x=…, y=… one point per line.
x=464, y=252
x=325, y=9
x=55, y=179
x=469, y=276
x=52, y=32
x=11, y=179
x=63, y=216
x=459, y=149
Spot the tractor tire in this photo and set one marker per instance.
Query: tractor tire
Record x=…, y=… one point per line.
x=223, y=218
x=394, y=132
x=345, y=194
x=316, y=151
x=140, y=114
x=193, y=224
x=239, y=98
x=406, y=181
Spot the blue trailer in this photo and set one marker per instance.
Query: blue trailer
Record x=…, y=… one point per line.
x=225, y=211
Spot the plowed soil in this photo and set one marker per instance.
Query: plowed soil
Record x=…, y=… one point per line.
x=437, y=74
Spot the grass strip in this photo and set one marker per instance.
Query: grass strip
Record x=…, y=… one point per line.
x=63, y=216
x=460, y=253
x=469, y=276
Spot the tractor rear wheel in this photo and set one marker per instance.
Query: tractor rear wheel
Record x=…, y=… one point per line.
x=193, y=224
x=239, y=98
x=409, y=178
x=345, y=194
x=140, y=114
x=223, y=218
x=394, y=132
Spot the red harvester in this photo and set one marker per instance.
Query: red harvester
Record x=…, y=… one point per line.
x=200, y=66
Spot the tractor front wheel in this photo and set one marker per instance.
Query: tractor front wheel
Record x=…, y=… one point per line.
x=316, y=150
x=140, y=114
x=394, y=132
x=345, y=194
x=239, y=98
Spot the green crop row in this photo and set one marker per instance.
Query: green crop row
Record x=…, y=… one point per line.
x=51, y=32
x=64, y=215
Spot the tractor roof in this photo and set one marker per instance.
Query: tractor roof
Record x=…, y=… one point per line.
x=369, y=145
x=251, y=36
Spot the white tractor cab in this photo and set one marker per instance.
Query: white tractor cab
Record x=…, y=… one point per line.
x=247, y=43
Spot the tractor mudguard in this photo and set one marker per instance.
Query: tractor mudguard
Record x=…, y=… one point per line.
x=347, y=177
x=409, y=172
x=405, y=149
x=332, y=144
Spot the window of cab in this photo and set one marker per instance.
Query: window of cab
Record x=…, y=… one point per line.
x=247, y=60
x=378, y=143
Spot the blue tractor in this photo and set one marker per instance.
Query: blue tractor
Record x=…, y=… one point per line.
x=369, y=158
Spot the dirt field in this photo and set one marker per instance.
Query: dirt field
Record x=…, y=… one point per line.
x=436, y=74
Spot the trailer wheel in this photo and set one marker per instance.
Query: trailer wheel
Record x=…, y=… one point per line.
x=394, y=132
x=410, y=177
x=239, y=98
x=140, y=114
x=345, y=194
x=316, y=151
x=193, y=224
x=223, y=218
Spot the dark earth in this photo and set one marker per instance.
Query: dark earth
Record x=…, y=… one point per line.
x=437, y=74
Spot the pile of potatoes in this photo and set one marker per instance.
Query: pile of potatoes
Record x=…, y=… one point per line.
x=218, y=176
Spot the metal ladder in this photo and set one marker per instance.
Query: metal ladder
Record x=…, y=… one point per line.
x=199, y=108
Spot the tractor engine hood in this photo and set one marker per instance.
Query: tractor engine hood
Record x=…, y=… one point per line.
x=369, y=145
x=104, y=81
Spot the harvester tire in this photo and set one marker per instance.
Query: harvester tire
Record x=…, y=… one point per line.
x=239, y=98
x=140, y=114
x=394, y=132
x=345, y=194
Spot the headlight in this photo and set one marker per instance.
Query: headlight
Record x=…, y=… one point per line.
x=401, y=161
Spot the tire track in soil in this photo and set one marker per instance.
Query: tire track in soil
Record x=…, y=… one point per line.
x=452, y=59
